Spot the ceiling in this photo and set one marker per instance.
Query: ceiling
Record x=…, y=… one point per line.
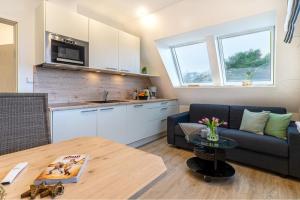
x=125, y=10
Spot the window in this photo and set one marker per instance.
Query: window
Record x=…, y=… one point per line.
x=192, y=64
x=247, y=56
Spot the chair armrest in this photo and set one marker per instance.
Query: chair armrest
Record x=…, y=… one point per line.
x=294, y=150
x=173, y=120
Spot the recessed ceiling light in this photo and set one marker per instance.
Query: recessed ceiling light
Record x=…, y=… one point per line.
x=141, y=11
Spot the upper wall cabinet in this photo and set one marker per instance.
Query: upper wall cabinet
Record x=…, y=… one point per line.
x=103, y=46
x=63, y=22
x=129, y=53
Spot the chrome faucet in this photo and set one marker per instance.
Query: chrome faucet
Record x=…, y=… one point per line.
x=105, y=95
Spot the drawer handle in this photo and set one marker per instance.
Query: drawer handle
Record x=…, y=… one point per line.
x=164, y=103
x=163, y=120
x=139, y=105
x=124, y=70
x=87, y=111
x=103, y=109
x=164, y=108
x=111, y=68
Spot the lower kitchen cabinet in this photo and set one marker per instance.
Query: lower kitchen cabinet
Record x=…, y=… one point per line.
x=111, y=124
x=68, y=124
x=123, y=123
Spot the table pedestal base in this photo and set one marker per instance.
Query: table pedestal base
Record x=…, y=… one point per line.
x=207, y=168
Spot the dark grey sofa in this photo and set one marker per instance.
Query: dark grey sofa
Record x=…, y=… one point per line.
x=260, y=151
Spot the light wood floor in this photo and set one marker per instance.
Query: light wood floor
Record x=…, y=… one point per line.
x=180, y=183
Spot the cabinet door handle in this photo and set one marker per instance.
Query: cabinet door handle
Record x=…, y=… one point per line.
x=87, y=111
x=124, y=70
x=139, y=105
x=163, y=120
x=111, y=68
x=106, y=109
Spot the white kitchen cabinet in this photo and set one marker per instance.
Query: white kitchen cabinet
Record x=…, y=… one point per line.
x=111, y=124
x=129, y=53
x=136, y=122
x=122, y=123
x=103, y=46
x=68, y=124
x=61, y=21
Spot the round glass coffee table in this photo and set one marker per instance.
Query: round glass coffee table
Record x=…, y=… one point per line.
x=210, y=157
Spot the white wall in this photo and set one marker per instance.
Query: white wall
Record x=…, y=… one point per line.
x=22, y=12
x=188, y=15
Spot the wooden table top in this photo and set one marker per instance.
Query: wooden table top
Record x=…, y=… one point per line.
x=114, y=171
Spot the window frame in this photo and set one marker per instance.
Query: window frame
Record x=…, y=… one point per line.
x=220, y=54
x=177, y=66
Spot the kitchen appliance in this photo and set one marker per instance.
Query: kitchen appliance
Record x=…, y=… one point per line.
x=65, y=50
x=153, y=92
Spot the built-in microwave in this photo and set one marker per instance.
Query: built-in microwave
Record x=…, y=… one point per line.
x=65, y=50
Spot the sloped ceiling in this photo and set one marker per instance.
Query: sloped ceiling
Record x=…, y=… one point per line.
x=123, y=11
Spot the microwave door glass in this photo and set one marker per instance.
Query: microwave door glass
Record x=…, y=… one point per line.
x=67, y=53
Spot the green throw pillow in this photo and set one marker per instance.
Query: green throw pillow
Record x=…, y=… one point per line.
x=254, y=121
x=277, y=125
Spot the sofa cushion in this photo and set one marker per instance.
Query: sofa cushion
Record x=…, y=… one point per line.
x=178, y=131
x=236, y=113
x=199, y=111
x=258, y=143
x=254, y=122
x=277, y=125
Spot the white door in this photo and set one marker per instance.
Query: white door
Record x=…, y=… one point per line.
x=103, y=46
x=64, y=22
x=112, y=124
x=129, y=53
x=68, y=124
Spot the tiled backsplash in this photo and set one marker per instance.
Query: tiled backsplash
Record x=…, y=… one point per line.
x=73, y=86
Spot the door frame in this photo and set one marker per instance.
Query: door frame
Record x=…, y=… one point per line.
x=15, y=25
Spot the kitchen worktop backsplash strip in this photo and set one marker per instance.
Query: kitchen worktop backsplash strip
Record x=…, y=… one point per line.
x=65, y=86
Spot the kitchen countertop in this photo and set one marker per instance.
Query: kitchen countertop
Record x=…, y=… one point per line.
x=80, y=105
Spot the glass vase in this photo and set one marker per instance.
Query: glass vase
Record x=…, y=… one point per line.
x=213, y=135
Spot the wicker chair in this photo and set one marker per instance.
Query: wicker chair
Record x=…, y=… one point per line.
x=23, y=121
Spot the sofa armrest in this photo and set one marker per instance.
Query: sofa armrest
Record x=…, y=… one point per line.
x=173, y=120
x=294, y=150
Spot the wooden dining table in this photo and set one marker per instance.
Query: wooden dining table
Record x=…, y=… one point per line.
x=113, y=171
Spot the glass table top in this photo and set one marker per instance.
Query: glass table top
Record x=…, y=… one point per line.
x=223, y=143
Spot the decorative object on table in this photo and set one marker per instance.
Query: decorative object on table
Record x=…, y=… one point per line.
x=144, y=94
x=193, y=128
x=254, y=122
x=44, y=191
x=277, y=125
x=212, y=125
x=144, y=70
x=2, y=193
x=65, y=169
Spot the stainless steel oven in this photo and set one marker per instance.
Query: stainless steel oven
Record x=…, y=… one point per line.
x=64, y=50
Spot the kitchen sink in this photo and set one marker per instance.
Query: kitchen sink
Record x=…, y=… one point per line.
x=108, y=101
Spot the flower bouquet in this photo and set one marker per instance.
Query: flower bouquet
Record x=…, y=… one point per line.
x=212, y=124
